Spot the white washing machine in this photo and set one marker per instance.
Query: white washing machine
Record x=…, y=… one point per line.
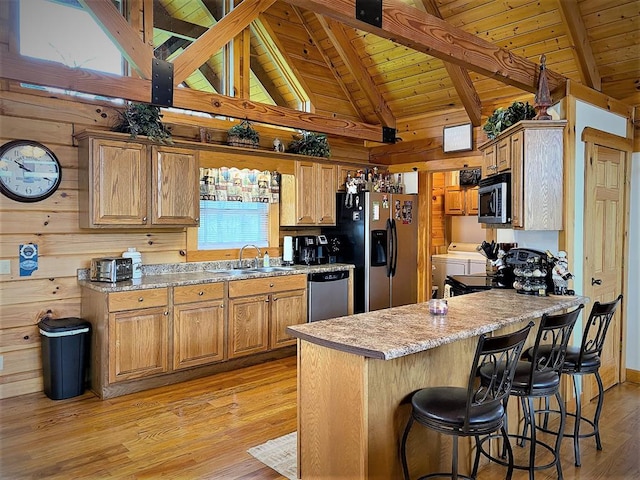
x=460, y=259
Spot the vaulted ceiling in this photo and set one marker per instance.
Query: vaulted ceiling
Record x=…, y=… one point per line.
x=354, y=67
x=310, y=47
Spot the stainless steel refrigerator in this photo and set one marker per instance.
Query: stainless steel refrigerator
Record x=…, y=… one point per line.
x=378, y=233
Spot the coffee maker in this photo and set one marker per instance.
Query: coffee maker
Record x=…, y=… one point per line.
x=305, y=250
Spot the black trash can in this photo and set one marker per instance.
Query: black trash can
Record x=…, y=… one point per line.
x=65, y=349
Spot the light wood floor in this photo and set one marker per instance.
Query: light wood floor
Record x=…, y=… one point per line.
x=202, y=429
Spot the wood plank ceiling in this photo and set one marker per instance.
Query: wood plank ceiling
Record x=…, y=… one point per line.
x=362, y=76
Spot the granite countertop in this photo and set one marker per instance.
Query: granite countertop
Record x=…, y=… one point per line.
x=193, y=273
x=396, y=332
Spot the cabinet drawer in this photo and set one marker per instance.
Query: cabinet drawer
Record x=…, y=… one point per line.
x=154, y=297
x=257, y=286
x=198, y=293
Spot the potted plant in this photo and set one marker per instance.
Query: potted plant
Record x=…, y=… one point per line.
x=310, y=143
x=243, y=135
x=502, y=118
x=143, y=119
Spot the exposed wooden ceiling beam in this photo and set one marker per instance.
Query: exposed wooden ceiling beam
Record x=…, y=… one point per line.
x=217, y=37
x=351, y=59
x=52, y=74
x=138, y=54
x=460, y=78
x=572, y=18
x=336, y=75
x=426, y=33
x=282, y=60
x=163, y=21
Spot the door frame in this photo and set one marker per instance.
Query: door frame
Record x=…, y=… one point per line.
x=591, y=136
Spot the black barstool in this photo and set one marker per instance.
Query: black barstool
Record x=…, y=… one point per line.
x=474, y=410
x=539, y=378
x=585, y=361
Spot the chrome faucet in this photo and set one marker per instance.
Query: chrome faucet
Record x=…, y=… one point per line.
x=256, y=260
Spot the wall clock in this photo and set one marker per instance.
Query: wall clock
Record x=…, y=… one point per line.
x=29, y=171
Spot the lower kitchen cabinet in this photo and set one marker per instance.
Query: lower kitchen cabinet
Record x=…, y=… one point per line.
x=248, y=325
x=137, y=334
x=198, y=325
x=258, y=322
x=287, y=308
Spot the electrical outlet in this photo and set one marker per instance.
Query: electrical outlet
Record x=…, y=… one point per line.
x=5, y=267
x=1, y=362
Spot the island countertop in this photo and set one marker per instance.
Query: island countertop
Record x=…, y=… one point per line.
x=400, y=331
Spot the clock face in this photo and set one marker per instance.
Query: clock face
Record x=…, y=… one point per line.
x=29, y=171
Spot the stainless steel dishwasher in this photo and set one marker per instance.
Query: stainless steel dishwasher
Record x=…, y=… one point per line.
x=328, y=295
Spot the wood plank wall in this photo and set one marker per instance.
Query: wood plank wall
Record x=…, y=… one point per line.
x=53, y=225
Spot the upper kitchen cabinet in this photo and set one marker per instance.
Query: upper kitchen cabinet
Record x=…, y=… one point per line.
x=135, y=184
x=534, y=150
x=460, y=201
x=308, y=198
x=496, y=157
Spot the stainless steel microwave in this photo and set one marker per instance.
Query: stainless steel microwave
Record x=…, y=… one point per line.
x=494, y=199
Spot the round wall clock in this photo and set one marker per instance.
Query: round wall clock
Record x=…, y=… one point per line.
x=29, y=171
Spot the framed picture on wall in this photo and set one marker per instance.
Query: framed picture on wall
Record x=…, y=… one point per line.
x=457, y=138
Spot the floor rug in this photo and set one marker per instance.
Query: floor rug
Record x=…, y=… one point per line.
x=279, y=454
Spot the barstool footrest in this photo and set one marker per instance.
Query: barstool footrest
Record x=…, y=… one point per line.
x=515, y=465
x=570, y=433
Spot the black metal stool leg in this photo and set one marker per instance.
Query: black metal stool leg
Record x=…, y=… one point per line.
x=596, y=418
x=525, y=427
x=563, y=418
x=507, y=444
x=403, y=449
x=576, y=426
x=532, y=447
x=454, y=458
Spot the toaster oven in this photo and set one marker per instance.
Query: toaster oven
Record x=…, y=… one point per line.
x=111, y=269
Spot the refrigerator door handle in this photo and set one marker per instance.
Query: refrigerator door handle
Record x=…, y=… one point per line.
x=394, y=248
x=390, y=247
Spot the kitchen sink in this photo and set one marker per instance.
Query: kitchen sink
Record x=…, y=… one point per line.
x=248, y=271
x=274, y=269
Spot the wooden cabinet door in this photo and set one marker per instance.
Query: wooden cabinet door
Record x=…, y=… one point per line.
x=453, y=200
x=248, y=325
x=305, y=193
x=489, y=161
x=471, y=201
x=175, y=186
x=503, y=155
x=287, y=308
x=138, y=343
x=517, y=184
x=198, y=334
x=326, y=194
x=118, y=184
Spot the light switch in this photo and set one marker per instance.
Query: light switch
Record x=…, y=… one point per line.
x=5, y=267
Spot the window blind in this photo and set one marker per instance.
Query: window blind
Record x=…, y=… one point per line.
x=225, y=225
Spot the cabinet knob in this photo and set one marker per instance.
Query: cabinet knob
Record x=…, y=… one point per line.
x=222, y=305
x=141, y=299
x=266, y=300
x=299, y=219
x=166, y=313
x=200, y=293
x=197, y=220
x=271, y=285
x=144, y=219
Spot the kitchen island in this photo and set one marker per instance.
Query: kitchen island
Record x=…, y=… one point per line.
x=356, y=375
